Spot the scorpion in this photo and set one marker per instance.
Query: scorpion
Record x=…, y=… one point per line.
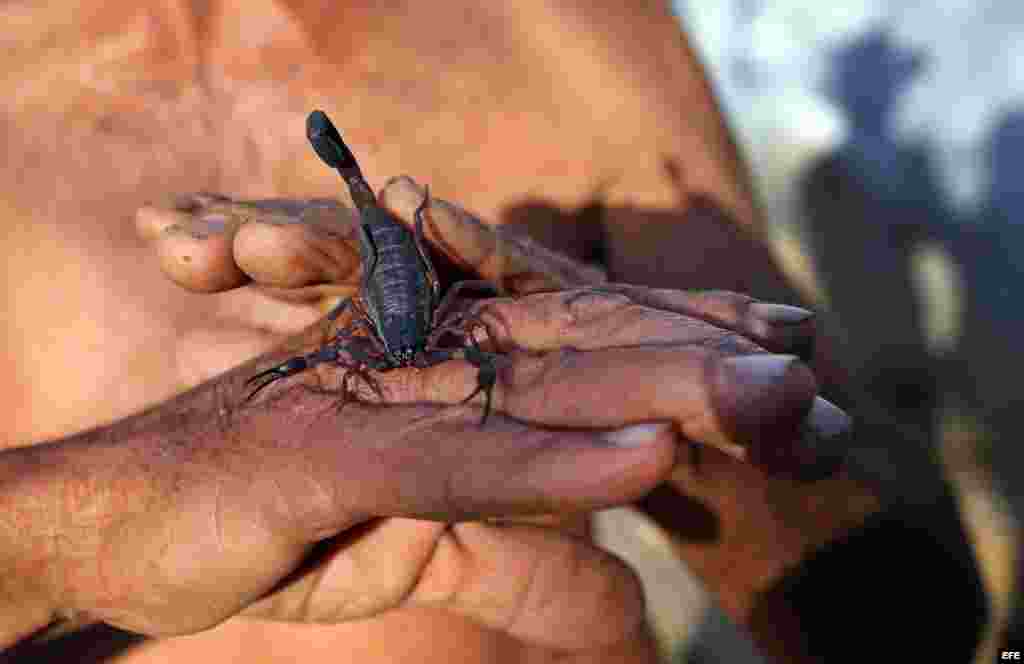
x=399, y=302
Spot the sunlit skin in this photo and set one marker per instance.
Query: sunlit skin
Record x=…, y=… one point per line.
x=150, y=102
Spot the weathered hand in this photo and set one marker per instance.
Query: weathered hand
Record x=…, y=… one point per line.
x=307, y=252
x=181, y=517
x=638, y=355
x=174, y=520
x=129, y=144
x=197, y=510
x=201, y=508
x=739, y=528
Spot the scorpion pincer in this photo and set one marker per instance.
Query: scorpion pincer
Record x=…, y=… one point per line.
x=398, y=304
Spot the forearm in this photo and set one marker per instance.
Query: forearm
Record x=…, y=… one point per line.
x=59, y=500
x=51, y=508
x=28, y=540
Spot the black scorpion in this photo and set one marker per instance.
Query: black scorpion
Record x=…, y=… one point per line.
x=399, y=303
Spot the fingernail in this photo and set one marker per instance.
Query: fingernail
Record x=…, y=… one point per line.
x=828, y=430
x=780, y=327
x=201, y=228
x=762, y=400
x=780, y=314
x=758, y=370
x=636, y=435
x=213, y=223
x=822, y=449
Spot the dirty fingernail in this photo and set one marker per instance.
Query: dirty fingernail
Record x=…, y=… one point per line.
x=829, y=427
x=826, y=439
x=781, y=327
x=780, y=314
x=636, y=435
x=758, y=370
x=213, y=223
x=762, y=400
x=201, y=228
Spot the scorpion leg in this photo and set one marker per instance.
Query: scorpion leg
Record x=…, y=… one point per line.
x=419, y=238
x=330, y=352
x=486, y=377
x=455, y=289
x=332, y=315
x=457, y=322
x=486, y=363
x=441, y=306
x=338, y=310
x=291, y=367
x=348, y=389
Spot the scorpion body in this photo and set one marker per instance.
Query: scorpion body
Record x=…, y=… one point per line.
x=399, y=294
x=399, y=303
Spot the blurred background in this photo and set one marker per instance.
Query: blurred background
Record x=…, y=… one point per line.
x=885, y=139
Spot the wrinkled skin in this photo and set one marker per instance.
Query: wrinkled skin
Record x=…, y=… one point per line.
x=177, y=99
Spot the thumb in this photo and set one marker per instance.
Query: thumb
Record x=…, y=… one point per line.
x=538, y=585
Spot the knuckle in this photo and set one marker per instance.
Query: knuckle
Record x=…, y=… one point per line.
x=729, y=296
x=571, y=309
x=495, y=317
x=530, y=370
x=732, y=343
x=730, y=304
x=586, y=303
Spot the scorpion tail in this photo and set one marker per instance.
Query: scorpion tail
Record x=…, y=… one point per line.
x=326, y=140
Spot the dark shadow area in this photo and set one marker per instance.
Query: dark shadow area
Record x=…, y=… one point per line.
x=695, y=245
x=579, y=233
x=91, y=645
x=680, y=514
x=904, y=587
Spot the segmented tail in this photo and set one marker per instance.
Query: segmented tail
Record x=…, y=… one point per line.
x=326, y=140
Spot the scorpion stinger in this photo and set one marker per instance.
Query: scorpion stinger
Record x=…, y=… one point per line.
x=326, y=140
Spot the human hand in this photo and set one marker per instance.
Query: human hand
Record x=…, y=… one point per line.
x=174, y=520
x=293, y=261
x=307, y=251
x=198, y=510
x=740, y=529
